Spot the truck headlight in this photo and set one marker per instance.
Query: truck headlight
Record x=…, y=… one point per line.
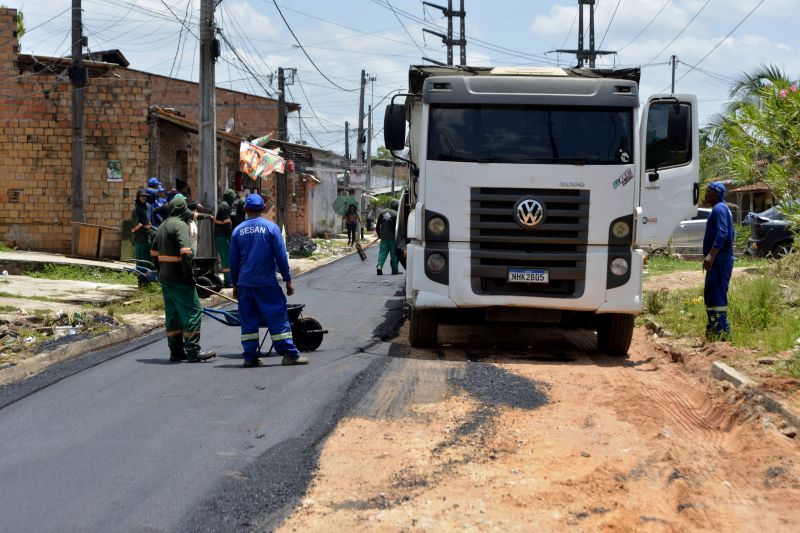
x=437, y=225
x=621, y=229
x=436, y=262
x=619, y=266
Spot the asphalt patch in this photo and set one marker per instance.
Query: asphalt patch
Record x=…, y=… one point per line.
x=272, y=485
x=496, y=387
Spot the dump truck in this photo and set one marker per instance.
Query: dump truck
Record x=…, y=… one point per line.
x=534, y=193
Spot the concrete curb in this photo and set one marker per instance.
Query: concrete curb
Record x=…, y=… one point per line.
x=124, y=333
x=723, y=372
x=36, y=364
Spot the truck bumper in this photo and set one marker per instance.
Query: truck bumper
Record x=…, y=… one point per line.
x=423, y=293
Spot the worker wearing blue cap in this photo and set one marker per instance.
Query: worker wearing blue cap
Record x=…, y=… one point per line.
x=154, y=183
x=718, y=261
x=257, y=250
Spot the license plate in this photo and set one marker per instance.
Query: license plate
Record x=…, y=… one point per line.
x=540, y=275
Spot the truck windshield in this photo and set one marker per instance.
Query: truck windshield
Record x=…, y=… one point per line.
x=531, y=134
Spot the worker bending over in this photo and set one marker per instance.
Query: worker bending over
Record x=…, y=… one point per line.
x=257, y=248
x=172, y=254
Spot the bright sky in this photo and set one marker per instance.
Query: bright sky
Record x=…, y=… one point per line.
x=344, y=36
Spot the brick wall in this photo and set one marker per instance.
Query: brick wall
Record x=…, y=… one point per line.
x=253, y=115
x=36, y=150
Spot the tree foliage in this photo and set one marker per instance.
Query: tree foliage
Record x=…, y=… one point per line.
x=757, y=137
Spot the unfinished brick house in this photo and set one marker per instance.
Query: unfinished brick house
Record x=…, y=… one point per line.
x=137, y=123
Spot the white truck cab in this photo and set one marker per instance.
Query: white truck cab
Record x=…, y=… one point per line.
x=533, y=193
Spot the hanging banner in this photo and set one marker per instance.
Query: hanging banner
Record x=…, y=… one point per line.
x=258, y=162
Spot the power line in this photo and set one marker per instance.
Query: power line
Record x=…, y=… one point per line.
x=658, y=14
x=421, y=51
x=679, y=33
x=47, y=21
x=571, y=26
x=306, y=53
x=610, y=22
x=714, y=48
x=242, y=61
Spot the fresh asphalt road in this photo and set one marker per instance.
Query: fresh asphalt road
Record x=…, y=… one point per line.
x=126, y=441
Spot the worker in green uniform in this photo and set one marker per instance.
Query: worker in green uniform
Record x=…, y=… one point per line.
x=223, y=227
x=142, y=232
x=172, y=254
x=385, y=228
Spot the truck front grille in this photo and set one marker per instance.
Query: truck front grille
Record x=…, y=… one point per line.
x=498, y=243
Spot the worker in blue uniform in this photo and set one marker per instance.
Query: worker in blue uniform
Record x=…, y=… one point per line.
x=256, y=249
x=718, y=261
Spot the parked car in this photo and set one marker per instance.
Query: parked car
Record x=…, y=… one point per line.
x=687, y=239
x=769, y=234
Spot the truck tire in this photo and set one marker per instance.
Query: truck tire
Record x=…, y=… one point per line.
x=423, y=328
x=614, y=333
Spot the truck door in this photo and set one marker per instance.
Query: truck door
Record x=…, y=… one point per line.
x=670, y=164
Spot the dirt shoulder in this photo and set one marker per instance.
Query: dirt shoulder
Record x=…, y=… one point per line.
x=687, y=279
x=563, y=438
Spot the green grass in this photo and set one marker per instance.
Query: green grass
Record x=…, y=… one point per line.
x=667, y=264
x=7, y=309
x=760, y=317
x=80, y=273
x=144, y=300
x=18, y=297
x=5, y=248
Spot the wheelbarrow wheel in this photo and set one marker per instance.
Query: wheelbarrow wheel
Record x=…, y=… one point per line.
x=204, y=283
x=307, y=334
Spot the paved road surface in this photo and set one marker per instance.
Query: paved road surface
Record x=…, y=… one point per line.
x=125, y=441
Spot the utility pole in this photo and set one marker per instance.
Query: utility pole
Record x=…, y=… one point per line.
x=369, y=151
x=283, y=134
x=347, y=153
x=346, y=140
x=447, y=38
x=463, y=45
x=79, y=77
x=360, y=139
x=581, y=53
x=207, y=184
x=673, y=61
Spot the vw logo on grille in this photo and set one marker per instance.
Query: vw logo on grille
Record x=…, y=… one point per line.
x=528, y=212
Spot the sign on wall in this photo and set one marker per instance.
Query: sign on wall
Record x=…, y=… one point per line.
x=114, y=171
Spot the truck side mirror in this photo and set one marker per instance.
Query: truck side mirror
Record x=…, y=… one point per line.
x=678, y=128
x=394, y=127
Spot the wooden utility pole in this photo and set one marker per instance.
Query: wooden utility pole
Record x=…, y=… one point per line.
x=360, y=140
x=79, y=77
x=283, y=135
x=347, y=140
x=207, y=183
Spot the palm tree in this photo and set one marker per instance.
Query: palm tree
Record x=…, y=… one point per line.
x=717, y=153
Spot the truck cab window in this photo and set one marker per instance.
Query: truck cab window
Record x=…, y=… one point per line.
x=530, y=134
x=665, y=148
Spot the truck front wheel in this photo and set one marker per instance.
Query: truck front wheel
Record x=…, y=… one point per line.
x=614, y=333
x=423, y=328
